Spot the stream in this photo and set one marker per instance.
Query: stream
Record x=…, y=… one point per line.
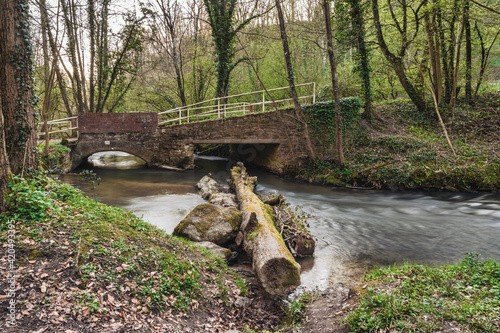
x=354, y=229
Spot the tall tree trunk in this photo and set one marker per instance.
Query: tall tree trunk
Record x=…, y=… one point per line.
x=433, y=43
x=16, y=86
x=437, y=60
x=444, y=50
x=335, y=85
x=178, y=74
x=103, y=66
x=357, y=21
x=291, y=82
x=47, y=75
x=468, y=55
x=56, y=57
x=170, y=14
x=456, y=61
x=92, y=32
x=72, y=54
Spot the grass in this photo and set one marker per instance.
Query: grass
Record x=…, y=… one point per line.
x=415, y=298
x=295, y=310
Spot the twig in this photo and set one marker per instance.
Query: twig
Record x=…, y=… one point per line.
x=429, y=86
x=78, y=254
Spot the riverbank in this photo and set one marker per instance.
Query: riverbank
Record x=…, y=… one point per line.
x=413, y=298
x=401, y=149
x=87, y=267
x=83, y=266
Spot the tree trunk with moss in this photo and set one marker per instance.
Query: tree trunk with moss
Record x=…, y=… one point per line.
x=16, y=87
x=273, y=263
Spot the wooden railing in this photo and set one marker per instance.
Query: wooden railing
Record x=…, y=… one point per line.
x=223, y=107
x=59, y=125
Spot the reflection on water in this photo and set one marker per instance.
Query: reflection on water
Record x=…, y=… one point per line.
x=355, y=229
x=116, y=160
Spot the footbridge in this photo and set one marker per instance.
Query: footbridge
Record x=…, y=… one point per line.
x=262, y=131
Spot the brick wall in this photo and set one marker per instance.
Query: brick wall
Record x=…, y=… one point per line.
x=117, y=122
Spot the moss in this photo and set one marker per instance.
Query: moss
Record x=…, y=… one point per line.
x=39, y=254
x=202, y=217
x=235, y=219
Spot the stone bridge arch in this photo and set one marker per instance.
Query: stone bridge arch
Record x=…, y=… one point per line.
x=133, y=133
x=139, y=145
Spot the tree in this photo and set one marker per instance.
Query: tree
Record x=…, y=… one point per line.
x=291, y=81
x=16, y=88
x=485, y=53
x=468, y=55
x=166, y=15
x=98, y=85
x=335, y=85
x=221, y=19
x=396, y=59
x=357, y=19
x=48, y=75
x=54, y=50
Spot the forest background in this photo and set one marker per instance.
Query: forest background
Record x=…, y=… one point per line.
x=124, y=56
x=107, y=56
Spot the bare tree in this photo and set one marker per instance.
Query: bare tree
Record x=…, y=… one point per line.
x=401, y=23
x=166, y=16
x=291, y=82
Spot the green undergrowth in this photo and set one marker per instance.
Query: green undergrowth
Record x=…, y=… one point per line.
x=403, y=149
x=56, y=158
x=108, y=247
x=412, y=298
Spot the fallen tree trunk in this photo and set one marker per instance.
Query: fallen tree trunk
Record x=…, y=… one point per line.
x=273, y=263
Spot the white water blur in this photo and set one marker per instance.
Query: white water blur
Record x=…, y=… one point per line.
x=354, y=229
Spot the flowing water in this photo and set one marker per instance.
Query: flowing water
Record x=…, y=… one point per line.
x=355, y=230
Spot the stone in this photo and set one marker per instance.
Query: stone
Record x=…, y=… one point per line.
x=207, y=222
x=224, y=200
x=207, y=187
x=220, y=251
x=243, y=302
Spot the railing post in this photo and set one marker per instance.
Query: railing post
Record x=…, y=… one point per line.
x=314, y=92
x=180, y=116
x=218, y=108
x=187, y=112
x=263, y=101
